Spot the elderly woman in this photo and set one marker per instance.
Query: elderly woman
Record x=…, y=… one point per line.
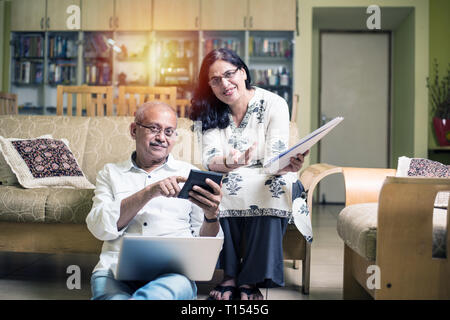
x=243, y=126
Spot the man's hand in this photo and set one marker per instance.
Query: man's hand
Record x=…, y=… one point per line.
x=167, y=187
x=206, y=200
x=295, y=165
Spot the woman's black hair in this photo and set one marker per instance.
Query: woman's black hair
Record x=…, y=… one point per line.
x=205, y=106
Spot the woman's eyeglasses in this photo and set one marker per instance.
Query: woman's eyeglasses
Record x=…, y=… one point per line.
x=154, y=130
x=217, y=81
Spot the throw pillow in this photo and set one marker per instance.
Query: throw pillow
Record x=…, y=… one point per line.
x=43, y=162
x=7, y=176
x=418, y=167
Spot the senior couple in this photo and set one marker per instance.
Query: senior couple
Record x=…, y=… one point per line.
x=249, y=207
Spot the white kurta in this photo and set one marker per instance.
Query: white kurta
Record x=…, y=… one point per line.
x=248, y=191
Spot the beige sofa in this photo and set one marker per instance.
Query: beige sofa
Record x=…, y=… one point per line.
x=52, y=220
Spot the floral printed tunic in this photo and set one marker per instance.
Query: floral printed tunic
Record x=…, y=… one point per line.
x=249, y=191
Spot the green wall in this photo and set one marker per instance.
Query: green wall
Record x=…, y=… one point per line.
x=402, y=135
x=5, y=50
x=440, y=50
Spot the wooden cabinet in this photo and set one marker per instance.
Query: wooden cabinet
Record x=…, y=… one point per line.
x=97, y=15
x=133, y=15
x=176, y=14
x=248, y=15
x=121, y=15
x=57, y=14
x=28, y=15
x=224, y=15
x=272, y=14
x=40, y=15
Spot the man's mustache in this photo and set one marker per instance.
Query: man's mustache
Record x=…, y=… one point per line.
x=156, y=144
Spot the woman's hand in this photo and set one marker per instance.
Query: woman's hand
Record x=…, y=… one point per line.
x=295, y=165
x=236, y=159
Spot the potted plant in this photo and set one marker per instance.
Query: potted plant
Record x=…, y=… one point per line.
x=439, y=94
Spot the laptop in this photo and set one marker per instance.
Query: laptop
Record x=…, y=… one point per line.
x=145, y=258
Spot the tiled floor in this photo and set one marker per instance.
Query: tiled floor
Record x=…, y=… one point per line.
x=44, y=276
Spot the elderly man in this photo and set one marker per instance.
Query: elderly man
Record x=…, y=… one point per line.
x=132, y=197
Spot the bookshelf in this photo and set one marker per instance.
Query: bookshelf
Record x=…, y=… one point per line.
x=176, y=60
x=62, y=58
x=270, y=60
x=28, y=64
x=42, y=60
x=131, y=58
x=97, y=60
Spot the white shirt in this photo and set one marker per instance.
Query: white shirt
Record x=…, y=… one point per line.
x=161, y=216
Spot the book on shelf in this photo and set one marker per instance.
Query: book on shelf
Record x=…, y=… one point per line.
x=29, y=46
x=216, y=43
x=28, y=72
x=266, y=47
x=62, y=72
x=99, y=73
x=61, y=47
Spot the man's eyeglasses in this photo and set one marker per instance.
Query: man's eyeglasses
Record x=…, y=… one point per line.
x=154, y=130
x=217, y=81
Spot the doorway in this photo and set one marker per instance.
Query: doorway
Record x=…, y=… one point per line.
x=355, y=84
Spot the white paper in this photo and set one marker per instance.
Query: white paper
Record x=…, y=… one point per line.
x=282, y=160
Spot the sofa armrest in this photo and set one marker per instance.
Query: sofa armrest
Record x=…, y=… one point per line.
x=405, y=237
x=364, y=184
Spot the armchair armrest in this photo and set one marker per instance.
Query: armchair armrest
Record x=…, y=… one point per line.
x=364, y=184
x=312, y=175
x=404, y=238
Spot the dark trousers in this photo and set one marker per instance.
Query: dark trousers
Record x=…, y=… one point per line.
x=252, y=252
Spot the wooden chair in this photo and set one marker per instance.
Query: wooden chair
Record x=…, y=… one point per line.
x=403, y=236
x=295, y=246
x=182, y=107
x=8, y=103
x=130, y=98
x=95, y=99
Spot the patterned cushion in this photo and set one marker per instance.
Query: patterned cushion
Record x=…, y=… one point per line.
x=418, y=167
x=43, y=162
x=357, y=226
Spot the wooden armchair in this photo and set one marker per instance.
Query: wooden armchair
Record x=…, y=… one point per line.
x=401, y=231
x=130, y=98
x=295, y=246
x=97, y=100
x=8, y=103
